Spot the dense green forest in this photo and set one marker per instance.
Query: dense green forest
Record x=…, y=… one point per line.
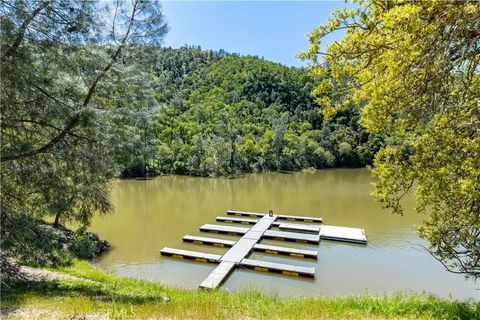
x=220, y=114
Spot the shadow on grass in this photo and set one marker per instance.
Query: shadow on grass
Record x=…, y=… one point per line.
x=249, y=304
x=14, y=295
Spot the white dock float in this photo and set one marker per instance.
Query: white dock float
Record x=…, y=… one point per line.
x=345, y=234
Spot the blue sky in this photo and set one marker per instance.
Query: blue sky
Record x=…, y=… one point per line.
x=275, y=30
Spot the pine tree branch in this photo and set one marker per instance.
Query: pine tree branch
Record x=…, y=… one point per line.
x=21, y=32
x=72, y=122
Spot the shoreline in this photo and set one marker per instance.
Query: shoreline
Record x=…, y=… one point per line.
x=82, y=291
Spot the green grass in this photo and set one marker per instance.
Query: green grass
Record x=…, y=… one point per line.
x=114, y=297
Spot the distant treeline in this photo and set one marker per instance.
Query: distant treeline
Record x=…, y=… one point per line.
x=221, y=114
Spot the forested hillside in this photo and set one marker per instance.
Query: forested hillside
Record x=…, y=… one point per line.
x=222, y=114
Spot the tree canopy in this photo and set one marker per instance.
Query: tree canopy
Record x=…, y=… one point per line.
x=225, y=114
x=62, y=139
x=413, y=68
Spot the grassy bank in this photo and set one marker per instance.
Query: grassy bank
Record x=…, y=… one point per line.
x=100, y=295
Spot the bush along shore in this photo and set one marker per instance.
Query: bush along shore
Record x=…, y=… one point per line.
x=49, y=246
x=81, y=291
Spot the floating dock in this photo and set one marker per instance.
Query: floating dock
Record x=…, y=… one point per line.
x=260, y=224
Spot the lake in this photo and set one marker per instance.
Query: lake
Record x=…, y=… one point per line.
x=156, y=213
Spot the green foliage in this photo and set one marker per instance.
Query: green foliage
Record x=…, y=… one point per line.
x=414, y=67
x=67, y=112
x=225, y=114
x=34, y=242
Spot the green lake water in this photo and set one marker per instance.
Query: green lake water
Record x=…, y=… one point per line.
x=152, y=214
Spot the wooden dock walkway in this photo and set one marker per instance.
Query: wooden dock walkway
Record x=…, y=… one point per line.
x=240, y=250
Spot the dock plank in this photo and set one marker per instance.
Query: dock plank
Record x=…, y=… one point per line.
x=224, y=229
x=208, y=257
x=278, y=268
x=236, y=220
x=291, y=236
x=300, y=218
x=285, y=251
x=245, y=213
x=299, y=228
x=209, y=241
x=345, y=234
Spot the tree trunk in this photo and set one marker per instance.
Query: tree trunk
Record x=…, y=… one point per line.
x=56, y=223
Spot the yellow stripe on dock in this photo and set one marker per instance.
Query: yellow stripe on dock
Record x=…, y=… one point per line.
x=261, y=269
x=297, y=255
